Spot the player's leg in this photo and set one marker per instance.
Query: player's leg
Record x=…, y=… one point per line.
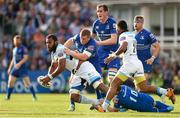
x=11, y=81
x=113, y=67
x=111, y=74
x=163, y=107
x=72, y=103
x=27, y=84
x=142, y=85
x=114, y=86
x=77, y=84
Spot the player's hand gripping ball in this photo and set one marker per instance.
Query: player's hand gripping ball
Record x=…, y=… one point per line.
x=40, y=80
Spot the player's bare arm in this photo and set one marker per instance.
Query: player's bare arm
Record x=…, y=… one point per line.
x=93, y=35
x=10, y=66
x=75, y=54
x=110, y=41
x=120, y=50
x=155, y=52
x=68, y=43
x=25, y=58
x=57, y=71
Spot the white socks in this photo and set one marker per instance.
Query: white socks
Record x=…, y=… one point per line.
x=85, y=100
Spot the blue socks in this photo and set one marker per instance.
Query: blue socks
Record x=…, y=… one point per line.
x=32, y=91
x=9, y=91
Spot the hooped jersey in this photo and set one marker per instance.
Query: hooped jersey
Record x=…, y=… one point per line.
x=60, y=54
x=131, y=52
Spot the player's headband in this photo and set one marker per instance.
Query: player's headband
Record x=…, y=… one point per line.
x=139, y=20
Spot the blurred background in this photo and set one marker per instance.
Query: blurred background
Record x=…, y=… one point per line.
x=34, y=19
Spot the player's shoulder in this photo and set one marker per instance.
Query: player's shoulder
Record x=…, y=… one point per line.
x=125, y=35
x=146, y=31
x=76, y=37
x=60, y=47
x=96, y=22
x=111, y=20
x=92, y=42
x=23, y=46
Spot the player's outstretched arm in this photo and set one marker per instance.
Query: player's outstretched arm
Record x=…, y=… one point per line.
x=110, y=41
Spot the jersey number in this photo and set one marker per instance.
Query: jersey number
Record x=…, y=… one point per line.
x=134, y=47
x=134, y=96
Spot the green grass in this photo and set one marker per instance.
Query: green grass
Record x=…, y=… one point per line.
x=55, y=105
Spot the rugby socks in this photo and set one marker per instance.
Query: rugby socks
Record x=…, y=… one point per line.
x=111, y=75
x=9, y=91
x=32, y=91
x=161, y=91
x=85, y=100
x=98, y=93
x=72, y=103
x=105, y=104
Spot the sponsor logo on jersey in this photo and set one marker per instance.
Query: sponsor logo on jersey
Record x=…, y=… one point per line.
x=123, y=38
x=102, y=32
x=91, y=47
x=142, y=37
x=107, y=26
x=97, y=27
x=114, y=25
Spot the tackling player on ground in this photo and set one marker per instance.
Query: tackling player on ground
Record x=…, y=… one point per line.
x=127, y=98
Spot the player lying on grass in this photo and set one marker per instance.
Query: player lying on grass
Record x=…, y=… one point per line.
x=83, y=71
x=130, y=99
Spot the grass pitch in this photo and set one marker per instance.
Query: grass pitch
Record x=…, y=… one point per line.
x=56, y=105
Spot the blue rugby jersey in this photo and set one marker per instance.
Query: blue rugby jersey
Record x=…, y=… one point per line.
x=90, y=47
x=144, y=41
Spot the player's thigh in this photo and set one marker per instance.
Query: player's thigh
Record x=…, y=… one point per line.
x=126, y=71
x=76, y=84
x=139, y=75
x=11, y=80
x=88, y=72
x=26, y=81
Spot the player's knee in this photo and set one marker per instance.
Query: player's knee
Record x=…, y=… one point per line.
x=96, y=84
x=75, y=97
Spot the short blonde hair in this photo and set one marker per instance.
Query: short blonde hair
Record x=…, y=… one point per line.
x=139, y=18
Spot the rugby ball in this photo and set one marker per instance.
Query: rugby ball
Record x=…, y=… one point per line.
x=39, y=80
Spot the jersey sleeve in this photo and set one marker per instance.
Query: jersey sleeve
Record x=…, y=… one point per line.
x=152, y=38
x=59, y=54
x=122, y=38
x=90, y=50
x=25, y=51
x=113, y=27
